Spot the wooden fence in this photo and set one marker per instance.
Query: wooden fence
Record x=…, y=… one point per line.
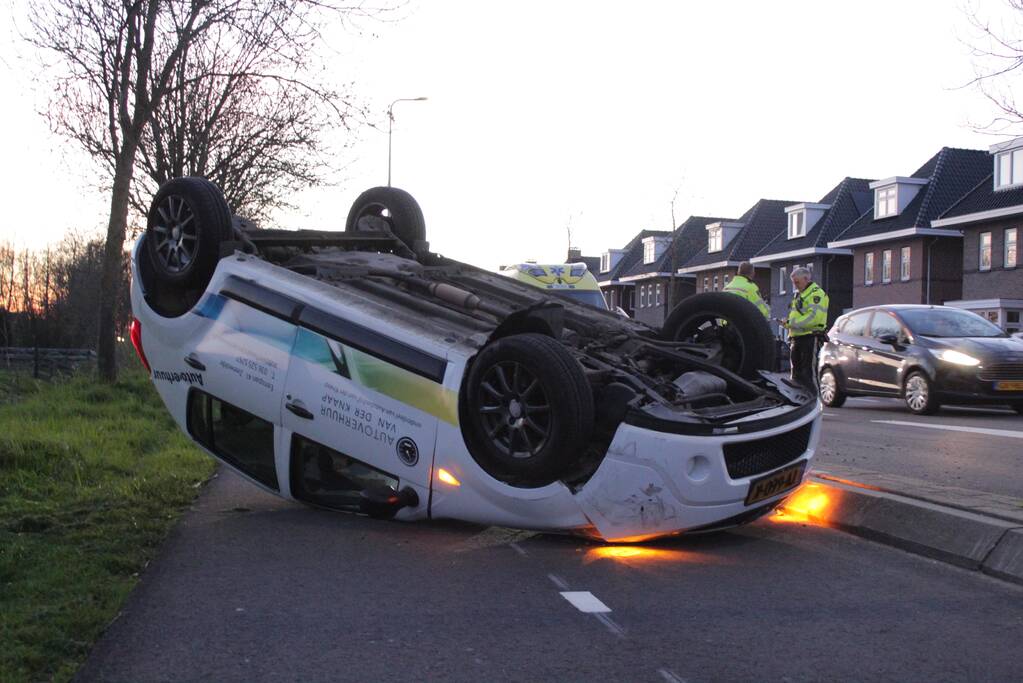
x=43, y=362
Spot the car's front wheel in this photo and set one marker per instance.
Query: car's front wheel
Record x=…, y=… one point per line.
x=919, y=394
x=831, y=392
x=527, y=409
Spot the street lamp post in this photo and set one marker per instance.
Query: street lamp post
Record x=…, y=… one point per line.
x=390, y=126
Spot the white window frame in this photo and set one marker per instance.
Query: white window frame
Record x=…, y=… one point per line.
x=783, y=277
x=714, y=239
x=886, y=266
x=868, y=268
x=715, y=284
x=797, y=224
x=1010, y=254
x=886, y=201
x=1013, y=162
x=657, y=295
x=649, y=251
x=605, y=262
x=905, y=263
x=981, y=249
x=706, y=284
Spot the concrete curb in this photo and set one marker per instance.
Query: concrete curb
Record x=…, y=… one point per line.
x=966, y=539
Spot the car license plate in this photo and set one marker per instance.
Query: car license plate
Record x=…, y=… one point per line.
x=776, y=483
x=1008, y=386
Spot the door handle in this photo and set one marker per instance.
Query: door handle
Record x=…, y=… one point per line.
x=299, y=409
x=193, y=360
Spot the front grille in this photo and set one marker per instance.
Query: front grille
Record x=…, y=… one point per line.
x=1001, y=371
x=747, y=458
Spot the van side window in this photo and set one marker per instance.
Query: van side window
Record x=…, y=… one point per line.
x=237, y=437
x=323, y=476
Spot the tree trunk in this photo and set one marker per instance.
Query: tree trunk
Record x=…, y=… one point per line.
x=113, y=255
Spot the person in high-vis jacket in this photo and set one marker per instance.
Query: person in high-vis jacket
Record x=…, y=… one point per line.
x=743, y=285
x=808, y=317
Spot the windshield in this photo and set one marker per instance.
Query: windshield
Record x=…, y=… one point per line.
x=584, y=296
x=948, y=322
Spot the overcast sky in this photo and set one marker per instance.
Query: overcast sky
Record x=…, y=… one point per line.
x=548, y=113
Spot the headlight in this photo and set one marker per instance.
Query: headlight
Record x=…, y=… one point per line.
x=957, y=357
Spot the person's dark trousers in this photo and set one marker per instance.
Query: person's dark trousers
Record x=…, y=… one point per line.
x=803, y=361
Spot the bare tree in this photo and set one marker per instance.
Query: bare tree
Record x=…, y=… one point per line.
x=997, y=52
x=120, y=61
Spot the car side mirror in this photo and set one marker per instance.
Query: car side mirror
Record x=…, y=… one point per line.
x=892, y=339
x=382, y=501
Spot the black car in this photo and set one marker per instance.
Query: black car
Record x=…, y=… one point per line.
x=926, y=355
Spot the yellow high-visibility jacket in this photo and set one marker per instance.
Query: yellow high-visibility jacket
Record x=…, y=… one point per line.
x=740, y=286
x=808, y=311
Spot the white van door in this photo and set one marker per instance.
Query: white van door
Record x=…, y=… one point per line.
x=363, y=409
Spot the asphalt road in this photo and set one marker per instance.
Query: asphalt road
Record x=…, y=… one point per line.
x=974, y=448
x=253, y=588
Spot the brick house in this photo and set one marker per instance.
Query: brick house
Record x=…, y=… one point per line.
x=805, y=243
x=576, y=256
x=730, y=242
x=617, y=292
x=652, y=276
x=898, y=257
x=990, y=217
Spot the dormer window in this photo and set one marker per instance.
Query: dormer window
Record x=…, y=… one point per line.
x=886, y=202
x=1009, y=168
x=609, y=259
x=797, y=224
x=605, y=262
x=714, y=239
x=649, y=251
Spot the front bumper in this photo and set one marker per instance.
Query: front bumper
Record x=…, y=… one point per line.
x=964, y=386
x=653, y=483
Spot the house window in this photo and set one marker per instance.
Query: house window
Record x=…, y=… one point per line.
x=1012, y=321
x=706, y=288
x=714, y=240
x=904, y=264
x=886, y=266
x=1009, y=168
x=1010, y=248
x=605, y=262
x=985, y=251
x=886, y=201
x=783, y=277
x=657, y=295
x=868, y=268
x=727, y=279
x=797, y=224
x=649, y=252
x=715, y=283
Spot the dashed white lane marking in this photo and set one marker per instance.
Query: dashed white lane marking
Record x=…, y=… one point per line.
x=558, y=581
x=955, y=428
x=585, y=601
x=519, y=549
x=609, y=623
x=670, y=676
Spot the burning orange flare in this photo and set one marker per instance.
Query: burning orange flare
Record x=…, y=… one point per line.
x=448, y=478
x=808, y=505
x=638, y=554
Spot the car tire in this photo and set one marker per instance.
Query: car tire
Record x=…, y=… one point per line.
x=918, y=394
x=526, y=409
x=186, y=223
x=389, y=208
x=831, y=392
x=747, y=344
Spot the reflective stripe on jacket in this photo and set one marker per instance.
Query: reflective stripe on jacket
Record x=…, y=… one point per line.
x=740, y=286
x=808, y=311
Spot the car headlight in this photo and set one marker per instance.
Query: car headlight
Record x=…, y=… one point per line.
x=957, y=357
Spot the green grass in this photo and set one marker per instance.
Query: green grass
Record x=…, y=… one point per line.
x=92, y=477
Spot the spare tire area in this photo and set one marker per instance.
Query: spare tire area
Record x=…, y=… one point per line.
x=732, y=326
x=526, y=410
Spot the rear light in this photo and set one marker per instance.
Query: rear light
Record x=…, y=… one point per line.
x=136, y=341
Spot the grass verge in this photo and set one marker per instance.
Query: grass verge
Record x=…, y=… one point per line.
x=92, y=477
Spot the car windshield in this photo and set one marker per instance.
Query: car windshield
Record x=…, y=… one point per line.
x=585, y=296
x=945, y=322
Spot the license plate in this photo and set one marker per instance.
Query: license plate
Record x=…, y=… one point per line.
x=773, y=484
x=1008, y=386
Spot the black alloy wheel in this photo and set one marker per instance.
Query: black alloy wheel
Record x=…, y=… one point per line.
x=514, y=409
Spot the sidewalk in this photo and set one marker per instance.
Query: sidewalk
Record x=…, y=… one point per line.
x=971, y=529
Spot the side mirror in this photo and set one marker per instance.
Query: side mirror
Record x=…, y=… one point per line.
x=892, y=339
x=383, y=502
